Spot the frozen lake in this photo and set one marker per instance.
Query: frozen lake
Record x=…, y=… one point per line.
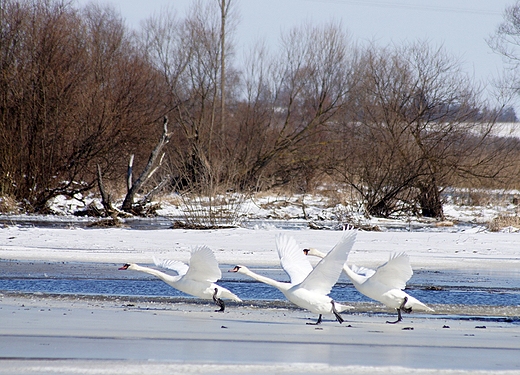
x=469, y=273
x=65, y=281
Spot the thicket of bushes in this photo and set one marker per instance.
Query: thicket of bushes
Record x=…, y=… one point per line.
x=392, y=125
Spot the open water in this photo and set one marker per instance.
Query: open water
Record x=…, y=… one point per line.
x=453, y=291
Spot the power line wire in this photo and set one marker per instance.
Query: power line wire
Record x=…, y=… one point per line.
x=421, y=7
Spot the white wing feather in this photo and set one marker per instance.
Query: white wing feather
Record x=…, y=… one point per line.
x=394, y=273
x=363, y=271
x=292, y=259
x=327, y=271
x=175, y=265
x=203, y=265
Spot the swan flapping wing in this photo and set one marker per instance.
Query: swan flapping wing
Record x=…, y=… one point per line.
x=292, y=259
x=327, y=271
x=203, y=265
x=175, y=265
x=396, y=272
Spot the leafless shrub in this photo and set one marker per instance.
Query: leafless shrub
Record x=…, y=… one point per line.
x=477, y=197
x=213, y=211
x=504, y=221
x=8, y=205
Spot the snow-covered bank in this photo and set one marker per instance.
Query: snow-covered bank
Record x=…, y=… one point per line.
x=464, y=209
x=428, y=250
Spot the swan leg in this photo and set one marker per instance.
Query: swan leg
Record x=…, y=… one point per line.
x=401, y=307
x=336, y=313
x=318, y=322
x=407, y=310
x=218, y=302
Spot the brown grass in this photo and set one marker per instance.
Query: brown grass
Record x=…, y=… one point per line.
x=503, y=221
x=8, y=205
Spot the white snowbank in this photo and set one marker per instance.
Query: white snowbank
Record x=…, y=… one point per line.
x=429, y=250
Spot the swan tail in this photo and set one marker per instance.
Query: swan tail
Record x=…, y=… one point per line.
x=340, y=308
x=232, y=297
x=224, y=293
x=417, y=305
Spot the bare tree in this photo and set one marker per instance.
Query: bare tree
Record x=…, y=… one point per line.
x=192, y=56
x=74, y=89
x=506, y=42
x=506, y=38
x=417, y=114
x=292, y=99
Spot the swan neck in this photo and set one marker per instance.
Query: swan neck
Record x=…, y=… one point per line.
x=161, y=275
x=265, y=280
x=352, y=275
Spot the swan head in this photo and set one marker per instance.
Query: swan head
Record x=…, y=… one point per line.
x=126, y=267
x=313, y=252
x=237, y=268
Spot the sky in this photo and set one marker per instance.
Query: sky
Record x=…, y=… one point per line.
x=461, y=26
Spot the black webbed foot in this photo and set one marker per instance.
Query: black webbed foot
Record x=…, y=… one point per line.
x=395, y=321
x=407, y=310
x=318, y=322
x=221, y=304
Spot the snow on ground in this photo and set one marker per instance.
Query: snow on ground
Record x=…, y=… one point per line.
x=465, y=209
x=428, y=250
x=467, y=244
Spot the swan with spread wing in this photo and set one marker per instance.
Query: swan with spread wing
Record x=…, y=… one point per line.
x=198, y=279
x=384, y=284
x=309, y=288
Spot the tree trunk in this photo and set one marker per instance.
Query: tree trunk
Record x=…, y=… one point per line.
x=430, y=200
x=105, y=198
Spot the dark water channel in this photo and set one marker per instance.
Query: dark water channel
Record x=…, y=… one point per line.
x=468, y=288
x=245, y=289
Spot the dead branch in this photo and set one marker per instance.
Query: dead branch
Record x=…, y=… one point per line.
x=129, y=173
x=148, y=197
x=148, y=170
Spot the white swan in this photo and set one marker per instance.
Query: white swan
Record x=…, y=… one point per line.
x=309, y=288
x=384, y=284
x=198, y=279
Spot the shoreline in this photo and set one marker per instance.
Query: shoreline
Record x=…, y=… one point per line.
x=458, y=285
x=370, y=310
